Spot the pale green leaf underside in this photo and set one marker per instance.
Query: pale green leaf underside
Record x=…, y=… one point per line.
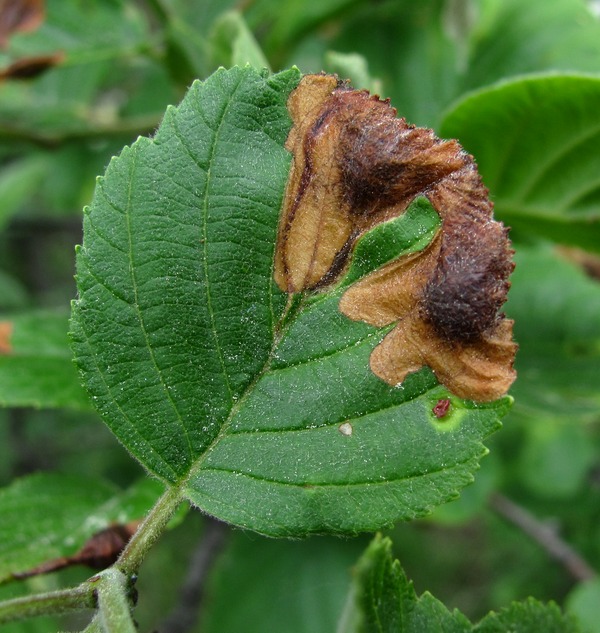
x=179, y=336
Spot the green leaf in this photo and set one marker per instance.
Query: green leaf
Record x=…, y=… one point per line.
x=192, y=357
x=233, y=43
x=474, y=500
x=37, y=370
x=556, y=457
x=302, y=583
x=285, y=23
x=187, y=32
x=529, y=616
x=429, y=53
x=99, y=42
x=386, y=601
x=409, y=233
x=583, y=603
x=507, y=40
x=48, y=515
x=555, y=307
x=536, y=140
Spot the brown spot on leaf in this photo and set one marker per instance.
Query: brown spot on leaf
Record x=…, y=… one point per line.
x=355, y=165
x=6, y=328
x=31, y=67
x=19, y=16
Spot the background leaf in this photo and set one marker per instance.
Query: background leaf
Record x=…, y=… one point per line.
x=98, y=41
x=529, y=616
x=583, y=602
x=17, y=183
x=301, y=583
x=386, y=602
x=542, y=183
x=233, y=43
x=429, y=53
x=507, y=39
x=555, y=306
x=48, y=515
x=207, y=384
x=38, y=369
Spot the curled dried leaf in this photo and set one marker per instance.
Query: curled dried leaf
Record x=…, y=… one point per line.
x=31, y=67
x=100, y=551
x=355, y=165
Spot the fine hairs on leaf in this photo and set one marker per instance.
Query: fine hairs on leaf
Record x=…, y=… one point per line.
x=216, y=380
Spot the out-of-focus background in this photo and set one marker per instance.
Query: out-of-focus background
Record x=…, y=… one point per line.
x=516, y=82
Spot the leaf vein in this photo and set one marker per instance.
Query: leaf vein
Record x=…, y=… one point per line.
x=140, y=317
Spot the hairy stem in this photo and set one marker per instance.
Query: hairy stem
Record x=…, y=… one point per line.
x=95, y=625
x=114, y=604
x=149, y=531
x=51, y=603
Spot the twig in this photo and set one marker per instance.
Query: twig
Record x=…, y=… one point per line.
x=545, y=536
x=184, y=615
x=51, y=603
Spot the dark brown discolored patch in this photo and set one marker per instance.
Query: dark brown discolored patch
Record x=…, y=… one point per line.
x=31, y=67
x=355, y=165
x=99, y=552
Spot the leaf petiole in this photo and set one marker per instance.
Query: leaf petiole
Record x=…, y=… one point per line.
x=149, y=531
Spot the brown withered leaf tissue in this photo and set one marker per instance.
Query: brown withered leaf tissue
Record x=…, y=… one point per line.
x=355, y=165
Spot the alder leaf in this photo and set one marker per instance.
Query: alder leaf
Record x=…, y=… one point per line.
x=264, y=411
x=386, y=602
x=536, y=143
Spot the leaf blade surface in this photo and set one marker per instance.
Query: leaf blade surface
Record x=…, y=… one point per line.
x=263, y=408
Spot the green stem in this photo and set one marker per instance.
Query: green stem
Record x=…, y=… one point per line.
x=114, y=605
x=52, y=603
x=110, y=585
x=95, y=625
x=149, y=532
